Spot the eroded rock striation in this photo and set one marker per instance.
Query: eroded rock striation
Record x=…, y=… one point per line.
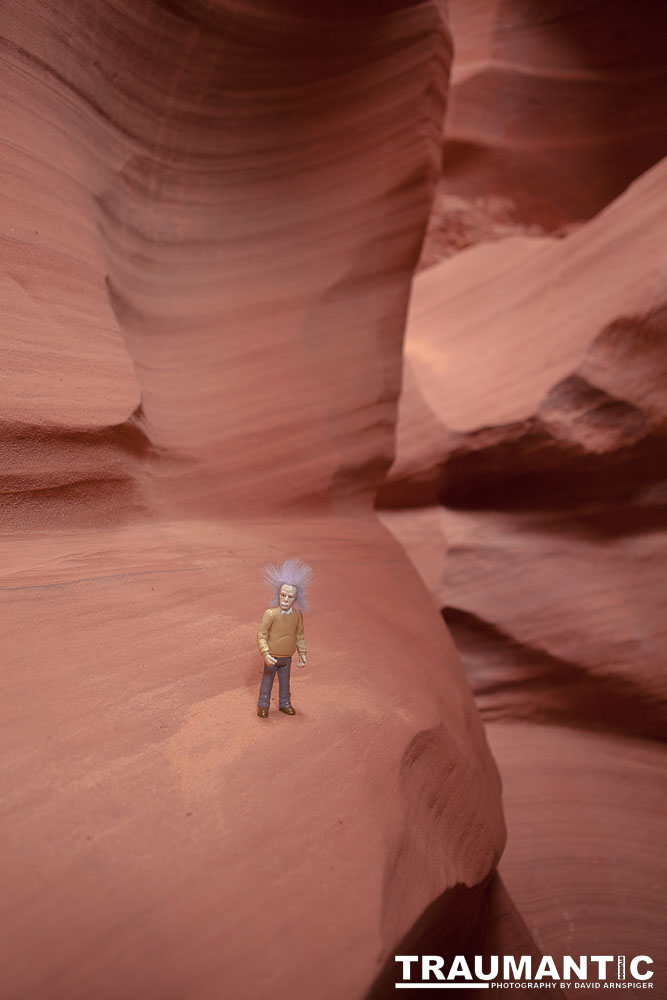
x=528, y=486
x=554, y=109
x=212, y=214
x=535, y=368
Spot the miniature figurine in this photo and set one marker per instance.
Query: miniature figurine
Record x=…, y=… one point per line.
x=281, y=631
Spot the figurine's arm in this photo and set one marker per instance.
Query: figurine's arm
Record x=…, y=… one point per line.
x=263, y=638
x=301, y=642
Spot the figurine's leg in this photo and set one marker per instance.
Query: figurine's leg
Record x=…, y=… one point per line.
x=264, y=700
x=284, y=665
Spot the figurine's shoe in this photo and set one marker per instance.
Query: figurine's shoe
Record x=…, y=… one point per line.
x=288, y=710
x=262, y=712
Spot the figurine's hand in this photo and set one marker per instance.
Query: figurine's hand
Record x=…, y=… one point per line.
x=270, y=660
x=302, y=660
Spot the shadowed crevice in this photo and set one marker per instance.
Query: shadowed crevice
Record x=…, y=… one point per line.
x=470, y=921
x=534, y=684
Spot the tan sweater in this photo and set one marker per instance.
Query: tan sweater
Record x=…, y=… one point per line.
x=281, y=634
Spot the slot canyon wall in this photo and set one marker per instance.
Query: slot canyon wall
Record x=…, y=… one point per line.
x=212, y=214
x=529, y=479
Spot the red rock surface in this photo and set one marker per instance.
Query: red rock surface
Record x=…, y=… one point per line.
x=212, y=216
x=164, y=841
x=570, y=333
x=212, y=212
x=528, y=487
x=201, y=226
x=554, y=109
x=585, y=862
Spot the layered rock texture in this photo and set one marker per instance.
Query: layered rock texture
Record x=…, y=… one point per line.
x=529, y=487
x=212, y=212
x=529, y=479
x=554, y=109
x=211, y=217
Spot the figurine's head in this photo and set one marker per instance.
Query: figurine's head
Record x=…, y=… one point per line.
x=289, y=584
x=286, y=597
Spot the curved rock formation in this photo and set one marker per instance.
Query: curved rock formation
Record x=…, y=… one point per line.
x=551, y=454
x=205, y=196
x=161, y=837
x=213, y=214
x=584, y=860
x=556, y=360
x=528, y=487
x=555, y=108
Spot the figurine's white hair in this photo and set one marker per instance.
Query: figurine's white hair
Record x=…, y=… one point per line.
x=293, y=572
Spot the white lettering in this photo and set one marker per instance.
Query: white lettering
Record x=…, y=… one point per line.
x=459, y=968
x=434, y=964
x=634, y=967
x=570, y=966
x=523, y=967
x=407, y=961
x=603, y=961
x=479, y=967
x=547, y=967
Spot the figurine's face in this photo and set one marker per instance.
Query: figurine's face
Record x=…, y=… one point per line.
x=287, y=597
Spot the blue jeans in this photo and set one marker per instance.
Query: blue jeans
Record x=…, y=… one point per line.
x=282, y=667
